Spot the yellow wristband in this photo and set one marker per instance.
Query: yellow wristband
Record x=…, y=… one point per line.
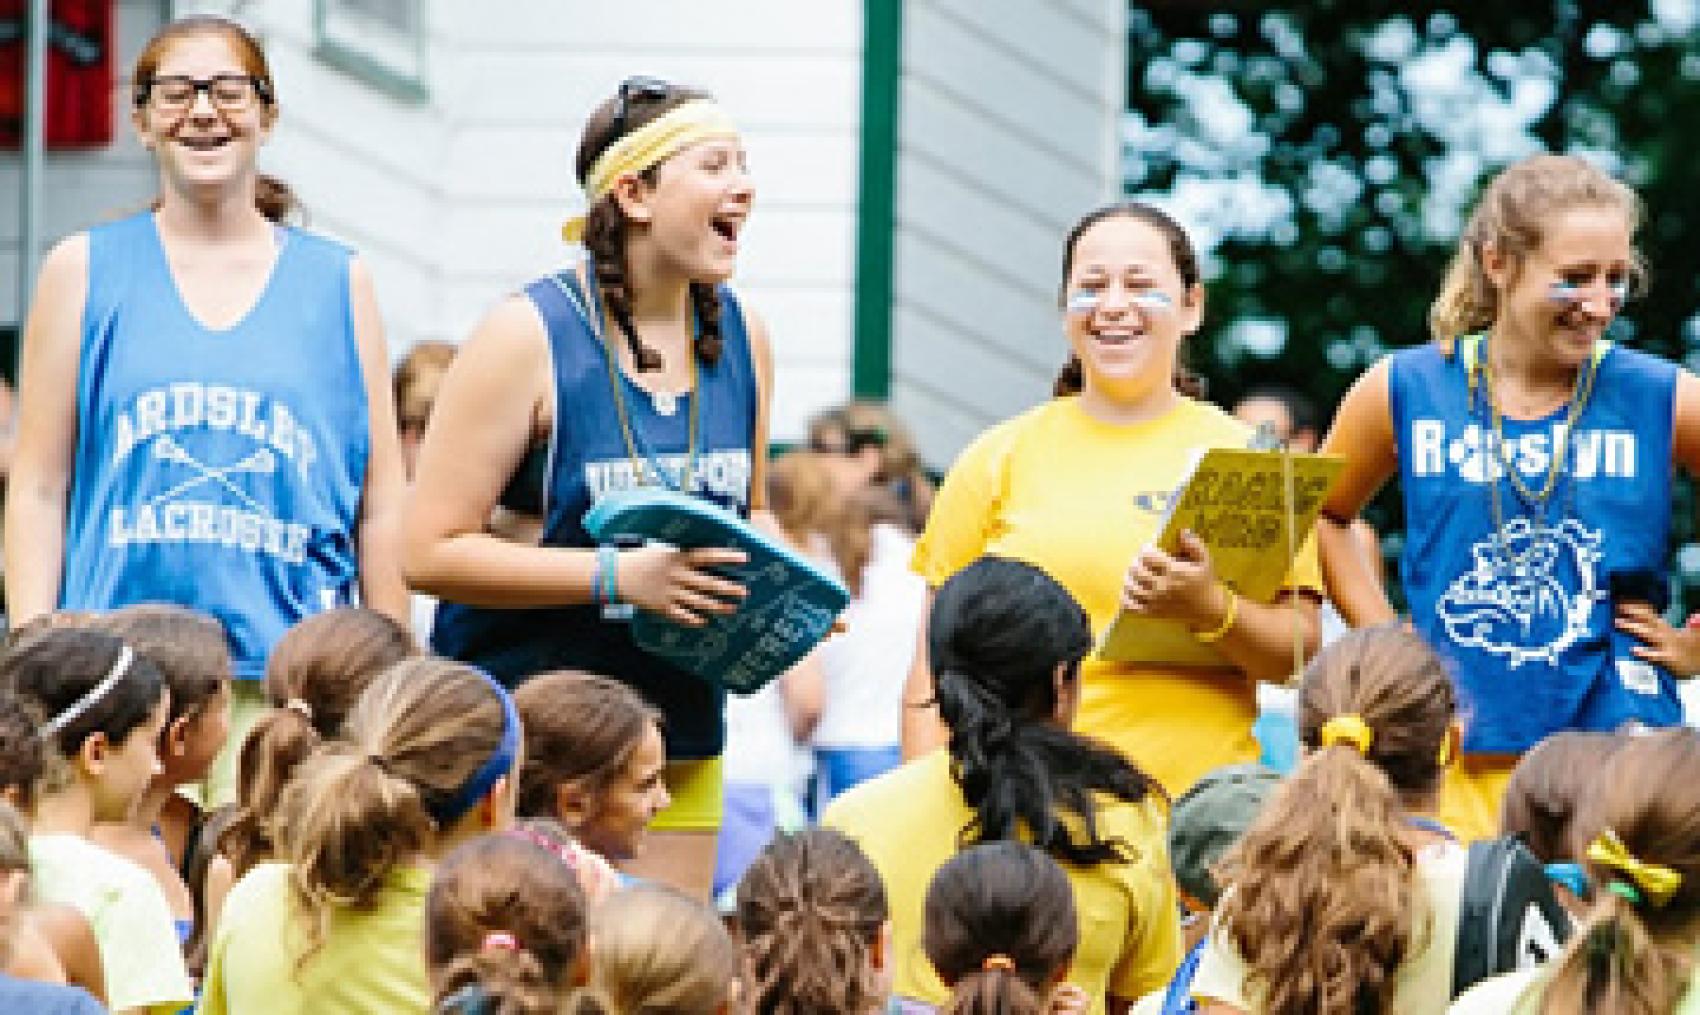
x=1229, y=615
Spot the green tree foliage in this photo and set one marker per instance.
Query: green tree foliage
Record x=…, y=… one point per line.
x=1326, y=152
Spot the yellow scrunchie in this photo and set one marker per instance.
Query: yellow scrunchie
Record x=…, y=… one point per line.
x=1657, y=882
x=1348, y=729
x=680, y=127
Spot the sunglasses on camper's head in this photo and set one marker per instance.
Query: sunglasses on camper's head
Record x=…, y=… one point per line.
x=637, y=87
x=852, y=443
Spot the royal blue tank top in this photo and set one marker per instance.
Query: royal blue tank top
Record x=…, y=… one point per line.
x=589, y=457
x=1523, y=615
x=218, y=469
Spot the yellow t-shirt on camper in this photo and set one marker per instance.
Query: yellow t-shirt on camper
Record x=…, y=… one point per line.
x=372, y=962
x=908, y=820
x=139, y=951
x=1080, y=498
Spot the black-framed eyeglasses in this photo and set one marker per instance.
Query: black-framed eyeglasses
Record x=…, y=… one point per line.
x=228, y=93
x=637, y=86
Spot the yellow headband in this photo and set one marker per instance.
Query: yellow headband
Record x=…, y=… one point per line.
x=648, y=145
x=1348, y=729
x=1658, y=883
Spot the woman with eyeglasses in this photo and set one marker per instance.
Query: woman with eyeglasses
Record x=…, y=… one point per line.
x=636, y=367
x=1535, y=459
x=206, y=413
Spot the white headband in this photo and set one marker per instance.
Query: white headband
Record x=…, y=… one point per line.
x=96, y=693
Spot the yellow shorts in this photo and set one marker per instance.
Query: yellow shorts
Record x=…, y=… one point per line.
x=1471, y=793
x=698, y=802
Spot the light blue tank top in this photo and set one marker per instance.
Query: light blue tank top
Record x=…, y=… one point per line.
x=1525, y=621
x=221, y=470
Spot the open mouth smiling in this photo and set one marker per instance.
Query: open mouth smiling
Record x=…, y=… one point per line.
x=209, y=143
x=727, y=227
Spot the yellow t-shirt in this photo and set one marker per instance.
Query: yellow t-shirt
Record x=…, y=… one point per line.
x=131, y=920
x=1079, y=498
x=907, y=821
x=372, y=962
x=1423, y=982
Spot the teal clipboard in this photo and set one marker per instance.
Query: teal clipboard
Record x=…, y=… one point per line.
x=790, y=605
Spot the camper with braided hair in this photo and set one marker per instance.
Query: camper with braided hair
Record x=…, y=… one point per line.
x=813, y=921
x=636, y=367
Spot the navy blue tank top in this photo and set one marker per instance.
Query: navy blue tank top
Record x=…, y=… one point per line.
x=588, y=458
x=1524, y=614
x=218, y=469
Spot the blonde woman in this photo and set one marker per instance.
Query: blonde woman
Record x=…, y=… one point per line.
x=1535, y=458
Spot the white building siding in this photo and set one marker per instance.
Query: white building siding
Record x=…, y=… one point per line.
x=458, y=200
x=84, y=188
x=1007, y=131
x=1008, y=115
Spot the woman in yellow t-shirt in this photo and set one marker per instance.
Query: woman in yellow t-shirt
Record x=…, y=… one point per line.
x=1079, y=487
x=1007, y=642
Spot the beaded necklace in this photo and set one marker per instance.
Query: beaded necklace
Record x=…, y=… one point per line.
x=645, y=461
x=1478, y=367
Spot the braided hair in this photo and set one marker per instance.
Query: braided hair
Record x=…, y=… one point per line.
x=605, y=227
x=810, y=909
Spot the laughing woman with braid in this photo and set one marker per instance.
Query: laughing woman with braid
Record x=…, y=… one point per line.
x=1535, y=459
x=637, y=367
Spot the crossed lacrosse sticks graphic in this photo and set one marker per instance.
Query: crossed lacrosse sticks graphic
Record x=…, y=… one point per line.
x=262, y=462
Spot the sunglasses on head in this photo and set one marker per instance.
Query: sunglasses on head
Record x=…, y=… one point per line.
x=635, y=88
x=852, y=443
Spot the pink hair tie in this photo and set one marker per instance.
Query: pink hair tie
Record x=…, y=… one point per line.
x=502, y=940
x=561, y=851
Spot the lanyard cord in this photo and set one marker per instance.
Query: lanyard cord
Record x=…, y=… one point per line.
x=1476, y=363
x=1291, y=524
x=686, y=480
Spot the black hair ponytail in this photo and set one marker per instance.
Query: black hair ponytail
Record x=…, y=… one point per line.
x=998, y=633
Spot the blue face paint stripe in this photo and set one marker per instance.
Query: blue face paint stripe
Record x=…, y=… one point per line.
x=1086, y=301
x=1568, y=292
